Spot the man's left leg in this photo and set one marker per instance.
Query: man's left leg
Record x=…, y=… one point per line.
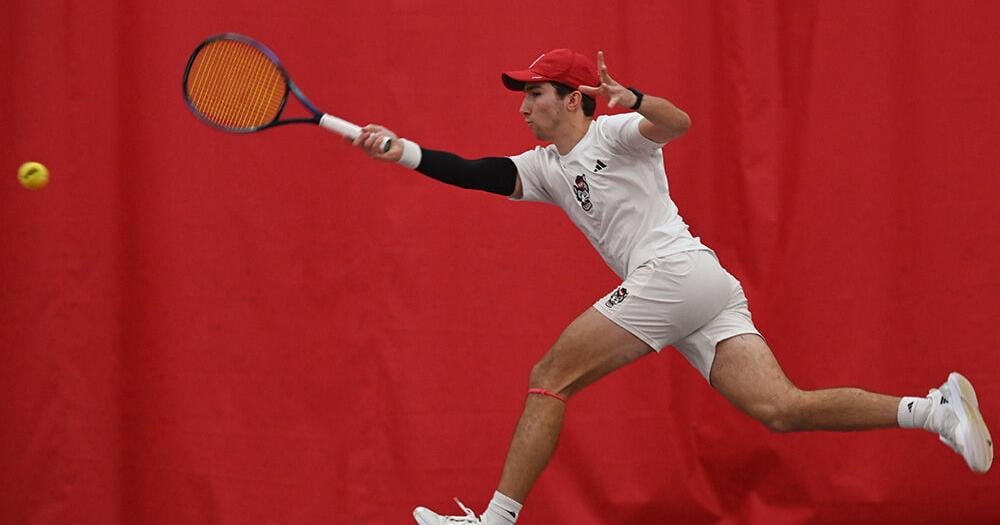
x=747, y=374
x=591, y=347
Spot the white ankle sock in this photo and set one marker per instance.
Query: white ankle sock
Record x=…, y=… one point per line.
x=913, y=411
x=502, y=511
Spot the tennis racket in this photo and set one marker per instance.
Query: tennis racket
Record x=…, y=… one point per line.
x=236, y=84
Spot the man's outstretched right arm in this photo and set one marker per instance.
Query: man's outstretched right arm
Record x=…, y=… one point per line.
x=491, y=174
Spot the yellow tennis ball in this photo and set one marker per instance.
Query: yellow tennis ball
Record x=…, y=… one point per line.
x=33, y=175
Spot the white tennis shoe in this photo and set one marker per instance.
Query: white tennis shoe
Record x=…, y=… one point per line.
x=956, y=419
x=429, y=517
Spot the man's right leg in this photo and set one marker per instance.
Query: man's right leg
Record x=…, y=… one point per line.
x=746, y=373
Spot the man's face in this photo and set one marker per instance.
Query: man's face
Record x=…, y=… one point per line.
x=542, y=109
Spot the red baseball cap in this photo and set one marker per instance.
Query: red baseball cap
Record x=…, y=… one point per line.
x=559, y=65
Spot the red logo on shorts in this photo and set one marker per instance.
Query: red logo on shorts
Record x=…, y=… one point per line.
x=617, y=297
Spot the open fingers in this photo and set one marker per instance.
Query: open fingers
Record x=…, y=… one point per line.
x=602, y=68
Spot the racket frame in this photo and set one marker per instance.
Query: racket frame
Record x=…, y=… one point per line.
x=290, y=86
x=319, y=118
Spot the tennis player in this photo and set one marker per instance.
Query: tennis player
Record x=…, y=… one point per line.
x=607, y=174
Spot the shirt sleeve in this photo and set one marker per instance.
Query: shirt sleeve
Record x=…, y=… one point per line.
x=622, y=132
x=530, y=170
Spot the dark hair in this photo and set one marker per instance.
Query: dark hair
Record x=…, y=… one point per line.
x=589, y=104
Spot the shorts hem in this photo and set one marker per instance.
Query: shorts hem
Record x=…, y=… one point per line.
x=741, y=331
x=606, y=312
x=728, y=335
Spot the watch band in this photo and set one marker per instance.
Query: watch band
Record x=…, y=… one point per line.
x=638, y=98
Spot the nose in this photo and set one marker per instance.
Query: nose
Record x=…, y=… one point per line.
x=525, y=107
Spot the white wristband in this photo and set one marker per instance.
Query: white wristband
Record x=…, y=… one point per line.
x=411, y=154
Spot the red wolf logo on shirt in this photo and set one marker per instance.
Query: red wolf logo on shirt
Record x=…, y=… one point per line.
x=582, y=191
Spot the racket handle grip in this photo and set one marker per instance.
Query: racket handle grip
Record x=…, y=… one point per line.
x=340, y=126
x=348, y=129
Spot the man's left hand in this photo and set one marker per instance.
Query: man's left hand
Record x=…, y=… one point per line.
x=617, y=94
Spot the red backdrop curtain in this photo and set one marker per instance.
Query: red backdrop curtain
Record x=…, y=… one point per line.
x=205, y=328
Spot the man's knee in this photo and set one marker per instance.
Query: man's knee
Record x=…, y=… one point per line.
x=779, y=415
x=547, y=374
x=542, y=374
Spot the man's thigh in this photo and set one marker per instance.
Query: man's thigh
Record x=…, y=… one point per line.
x=746, y=373
x=591, y=347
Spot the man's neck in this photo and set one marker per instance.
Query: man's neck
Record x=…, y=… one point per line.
x=572, y=133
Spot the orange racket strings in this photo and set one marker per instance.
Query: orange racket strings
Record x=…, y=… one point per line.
x=235, y=85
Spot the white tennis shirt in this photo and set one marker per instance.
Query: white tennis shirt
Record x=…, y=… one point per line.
x=613, y=186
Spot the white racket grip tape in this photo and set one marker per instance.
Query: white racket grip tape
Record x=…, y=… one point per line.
x=340, y=126
x=411, y=154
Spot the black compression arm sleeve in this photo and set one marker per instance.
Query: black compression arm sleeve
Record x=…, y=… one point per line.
x=492, y=174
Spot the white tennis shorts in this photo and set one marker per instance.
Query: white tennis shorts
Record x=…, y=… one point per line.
x=687, y=300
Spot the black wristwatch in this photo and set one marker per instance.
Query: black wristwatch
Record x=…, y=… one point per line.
x=638, y=98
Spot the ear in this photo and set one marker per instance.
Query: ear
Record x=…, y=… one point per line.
x=574, y=101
